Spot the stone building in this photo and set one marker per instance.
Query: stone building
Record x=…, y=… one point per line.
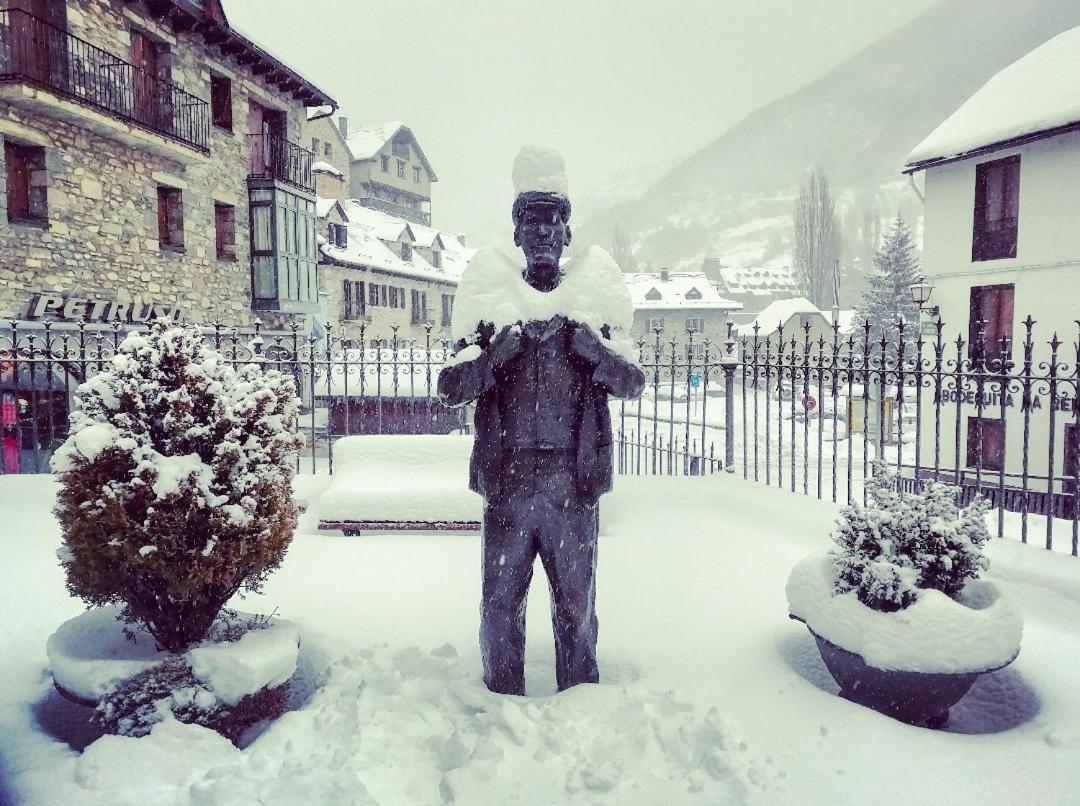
x=384, y=166
x=677, y=302
x=152, y=161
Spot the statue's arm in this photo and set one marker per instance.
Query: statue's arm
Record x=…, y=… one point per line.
x=617, y=376
x=465, y=380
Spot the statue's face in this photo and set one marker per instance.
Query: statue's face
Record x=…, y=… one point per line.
x=542, y=234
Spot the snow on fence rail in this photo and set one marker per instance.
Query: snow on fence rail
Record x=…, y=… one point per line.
x=807, y=414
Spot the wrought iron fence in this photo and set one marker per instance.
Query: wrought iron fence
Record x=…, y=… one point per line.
x=274, y=157
x=804, y=412
x=38, y=52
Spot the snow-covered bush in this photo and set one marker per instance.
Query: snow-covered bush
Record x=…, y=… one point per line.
x=176, y=482
x=902, y=542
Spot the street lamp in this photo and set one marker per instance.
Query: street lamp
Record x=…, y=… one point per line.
x=920, y=294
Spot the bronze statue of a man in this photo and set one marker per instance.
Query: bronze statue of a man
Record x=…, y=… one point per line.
x=542, y=456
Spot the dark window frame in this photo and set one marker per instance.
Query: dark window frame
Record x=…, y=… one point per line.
x=170, y=218
x=995, y=305
x=221, y=111
x=225, y=231
x=27, y=202
x=992, y=447
x=995, y=230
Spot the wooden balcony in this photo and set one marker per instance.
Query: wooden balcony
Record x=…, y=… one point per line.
x=39, y=54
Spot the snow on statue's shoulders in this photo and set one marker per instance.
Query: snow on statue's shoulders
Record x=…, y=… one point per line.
x=592, y=292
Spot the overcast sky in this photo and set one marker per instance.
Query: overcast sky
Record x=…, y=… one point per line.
x=615, y=85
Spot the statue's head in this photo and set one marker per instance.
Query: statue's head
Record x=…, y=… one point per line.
x=541, y=213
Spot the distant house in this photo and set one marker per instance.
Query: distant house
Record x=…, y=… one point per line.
x=753, y=287
x=382, y=164
x=796, y=317
x=674, y=303
x=1002, y=241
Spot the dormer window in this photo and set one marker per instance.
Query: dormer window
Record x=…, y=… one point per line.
x=385, y=163
x=436, y=259
x=406, y=251
x=693, y=293
x=654, y=295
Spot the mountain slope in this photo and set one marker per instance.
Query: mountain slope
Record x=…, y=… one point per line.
x=857, y=122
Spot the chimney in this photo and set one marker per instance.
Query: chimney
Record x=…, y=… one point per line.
x=461, y=238
x=663, y=275
x=343, y=126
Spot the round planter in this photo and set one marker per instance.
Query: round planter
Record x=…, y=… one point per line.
x=917, y=698
x=241, y=681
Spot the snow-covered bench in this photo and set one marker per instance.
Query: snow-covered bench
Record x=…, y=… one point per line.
x=396, y=483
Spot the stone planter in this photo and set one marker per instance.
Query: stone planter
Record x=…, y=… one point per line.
x=224, y=685
x=917, y=698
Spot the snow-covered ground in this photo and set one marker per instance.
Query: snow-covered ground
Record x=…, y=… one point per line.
x=710, y=694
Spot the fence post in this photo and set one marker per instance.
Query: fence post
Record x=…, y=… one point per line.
x=729, y=360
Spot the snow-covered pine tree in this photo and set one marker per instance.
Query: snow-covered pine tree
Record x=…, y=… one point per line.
x=888, y=298
x=176, y=482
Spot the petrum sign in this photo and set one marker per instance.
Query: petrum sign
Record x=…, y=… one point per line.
x=83, y=309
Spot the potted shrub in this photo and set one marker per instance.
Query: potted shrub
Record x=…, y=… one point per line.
x=175, y=494
x=901, y=619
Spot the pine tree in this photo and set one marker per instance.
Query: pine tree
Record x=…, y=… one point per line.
x=888, y=298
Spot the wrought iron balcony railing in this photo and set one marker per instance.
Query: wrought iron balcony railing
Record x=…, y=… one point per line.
x=399, y=210
x=274, y=157
x=36, y=52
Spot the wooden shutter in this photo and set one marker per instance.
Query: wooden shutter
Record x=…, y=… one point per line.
x=18, y=181
x=163, y=215
x=360, y=307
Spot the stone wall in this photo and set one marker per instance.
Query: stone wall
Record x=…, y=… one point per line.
x=102, y=235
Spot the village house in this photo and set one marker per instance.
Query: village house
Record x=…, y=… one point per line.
x=675, y=303
x=151, y=164
x=1001, y=180
x=151, y=168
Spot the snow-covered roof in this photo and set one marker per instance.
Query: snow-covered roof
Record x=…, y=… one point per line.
x=365, y=141
x=1036, y=95
x=778, y=313
x=324, y=206
x=681, y=290
x=366, y=247
x=758, y=280
x=393, y=229
x=320, y=166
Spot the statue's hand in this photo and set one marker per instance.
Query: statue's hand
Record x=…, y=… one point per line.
x=505, y=347
x=587, y=345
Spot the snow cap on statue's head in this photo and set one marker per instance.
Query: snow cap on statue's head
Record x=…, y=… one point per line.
x=539, y=175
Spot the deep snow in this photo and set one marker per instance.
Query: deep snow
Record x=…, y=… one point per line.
x=709, y=694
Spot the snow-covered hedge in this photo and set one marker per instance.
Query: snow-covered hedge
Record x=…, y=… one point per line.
x=176, y=482
x=903, y=542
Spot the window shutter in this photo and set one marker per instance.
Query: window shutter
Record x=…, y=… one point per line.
x=360, y=309
x=163, y=215
x=176, y=217
x=18, y=181
x=346, y=300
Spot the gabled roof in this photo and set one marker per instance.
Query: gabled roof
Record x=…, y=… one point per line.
x=394, y=230
x=779, y=312
x=1036, y=96
x=323, y=167
x=324, y=206
x=649, y=291
x=366, y=141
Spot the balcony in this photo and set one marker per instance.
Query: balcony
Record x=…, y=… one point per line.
x=275, y=159
x=39, y=54
x=399, y=210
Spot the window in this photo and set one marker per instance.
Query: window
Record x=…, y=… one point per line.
x=170, y=218
x=696, y=325
x=406, y=251
x=221, y=102
x=385, y=163
x=353, y=300
x=315, y=144
x=656, y=324
x=225, y=231
x=401, y=169
x=27, y=183
x=653, y=295
x=337, y=235
x=1072, y=457
x=447, y=308
x=693, y=293
x=373, y=295
x=383, y=294
x=436, y=258
x=393, y=296
x=997, y=205
x=991, y=305
x=416, y=173
x=419, y=307
x=401, y=296
x=328, y=150
x=990, y=444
